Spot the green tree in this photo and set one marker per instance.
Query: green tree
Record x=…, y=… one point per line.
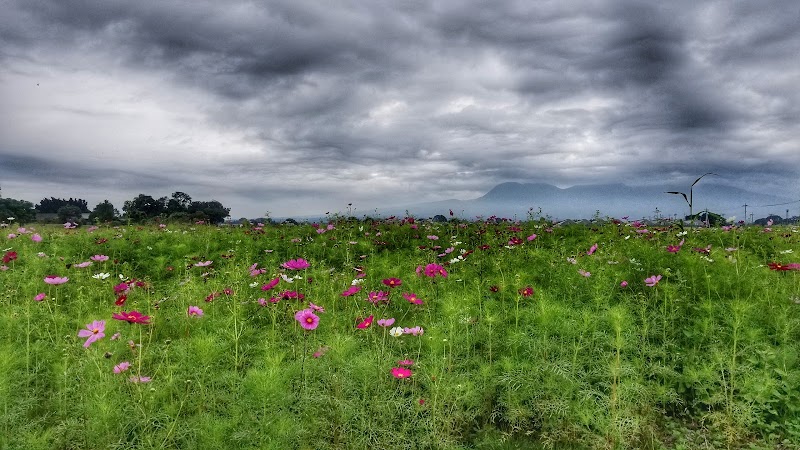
x=69, y=213
x=212, y=211
x=22, y=211
x=178, y=203
x=142, y=207
x=103, y=212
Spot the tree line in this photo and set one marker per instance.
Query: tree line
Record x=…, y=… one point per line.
x=179, y=207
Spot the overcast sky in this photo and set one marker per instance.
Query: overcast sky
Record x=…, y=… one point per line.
x=301, y=107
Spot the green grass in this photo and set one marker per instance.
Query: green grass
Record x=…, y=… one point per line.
x=707, y=358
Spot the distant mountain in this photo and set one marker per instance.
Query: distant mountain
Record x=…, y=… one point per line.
x=515, y=200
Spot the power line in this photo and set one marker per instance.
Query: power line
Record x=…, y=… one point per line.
x=776, y=204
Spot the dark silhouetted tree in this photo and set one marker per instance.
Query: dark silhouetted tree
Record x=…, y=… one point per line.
x=69, y=213
x=52, y=205
x=22, y=211
x=104, y=212
x=212, y=211
x=142, y=207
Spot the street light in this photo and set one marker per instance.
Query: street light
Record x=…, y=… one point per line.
x=689, y=199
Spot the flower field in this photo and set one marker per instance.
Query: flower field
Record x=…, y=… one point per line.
x=400, y=334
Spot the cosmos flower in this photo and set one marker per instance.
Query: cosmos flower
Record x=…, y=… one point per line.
x=392, y=282
x=365, y=323
x=386, y=322
x=307, y=319
x=94, y=331
x=401, y=372
x=652, y=281
x=296, y=264
x=55, y=279
x=194, y=311
x=132, y=317
x=351, y=291
x=412, y=298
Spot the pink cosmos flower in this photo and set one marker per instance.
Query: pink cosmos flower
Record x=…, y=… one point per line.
x=307, y=319
x=194, y=311
x=386, y=322
x=401, y=372
x=321, y=351
x=203, y=263
x=433, y=237
x=392, y=282
x=296, y=264
x=122, y=367
x=138, y=379
x=592, y=249
x=623, y=284
x=532, y=237
x=40, y=296
x=431, y=270
x=262, y=301
x=274, y=282
x=412, y=298
x=378, y=297
x=584, y=273
x=365, y=323
x=55, y=279
x=82, y=264
x=36, y=238
x=3, y=268
x=415, y=331
x=94, y=331
x=132, y=317
x=99, y=258
x=652, y=281
x=351, y=291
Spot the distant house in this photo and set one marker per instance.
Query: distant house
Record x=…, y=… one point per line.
x=53, y=217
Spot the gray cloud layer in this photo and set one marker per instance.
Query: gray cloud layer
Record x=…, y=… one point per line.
x=303, y=107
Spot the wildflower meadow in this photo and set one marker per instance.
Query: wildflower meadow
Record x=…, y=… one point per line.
x=400, y=334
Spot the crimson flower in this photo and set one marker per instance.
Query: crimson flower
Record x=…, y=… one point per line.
x=274, y=282
x=9, y=256
x=132, y=317
x=526, y=291
x=378, y=297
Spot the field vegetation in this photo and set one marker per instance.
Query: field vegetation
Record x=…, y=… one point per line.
x=400, y=334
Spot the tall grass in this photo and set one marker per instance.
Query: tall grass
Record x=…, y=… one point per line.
x=706, y=358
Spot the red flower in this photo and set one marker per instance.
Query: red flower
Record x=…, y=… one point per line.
x=9, y=256
x=526, y=292
x=132, y=317
x=121, y=300
x=366, y=323
x=392, y=282
x=778, y=266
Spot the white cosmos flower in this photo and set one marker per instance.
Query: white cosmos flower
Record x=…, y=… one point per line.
x=101, y=275
x=396, y=332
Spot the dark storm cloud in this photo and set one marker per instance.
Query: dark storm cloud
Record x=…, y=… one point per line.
x=355, y=99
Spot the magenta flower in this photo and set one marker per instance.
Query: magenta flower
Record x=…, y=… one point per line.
x=122, y=367
x=365, y=323
x=99, y=258
x=36, y=238
x=351, y=291
x=94, y=331
x=132, y=317
x=392, y=282
x=532, y=237
x=623, y=284
x=194, y=311
x=40, y=296
x=274, y=282
x=55, y=279
x=316, y=308
x=652, y=281
x=526, y=291
x=386, y=322
x=296, y=264
x=378, y=297
x=412, y=298
x=401, y=372
x=307, y=319
x=431, y=270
